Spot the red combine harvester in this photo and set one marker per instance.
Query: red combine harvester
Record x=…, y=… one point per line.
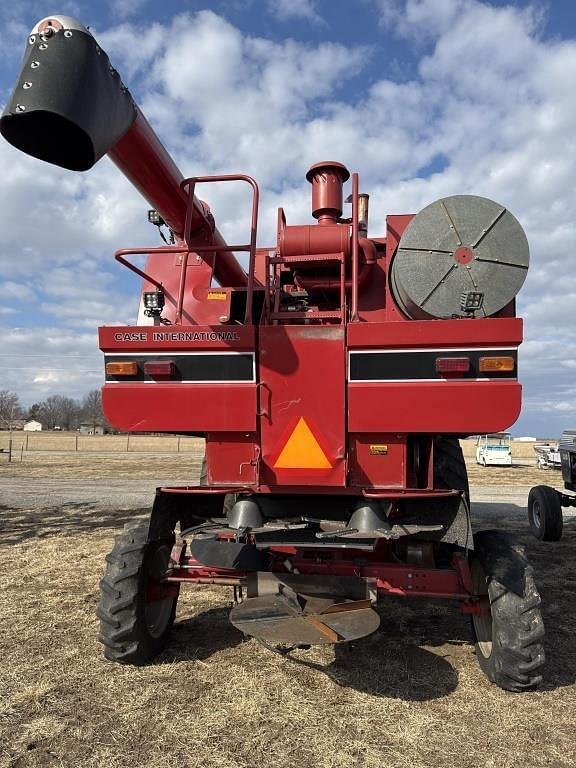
x=331, y=382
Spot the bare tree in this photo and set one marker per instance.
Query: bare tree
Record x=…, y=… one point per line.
x=59, y=411
x=92, y=409
x=10, y=409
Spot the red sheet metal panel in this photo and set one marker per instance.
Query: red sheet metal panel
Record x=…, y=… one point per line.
x=189, y=338
x=232, y=458
x=497, y=332
x=378, y=460
x=447, y=406
x=177, y=407
x=302, y=405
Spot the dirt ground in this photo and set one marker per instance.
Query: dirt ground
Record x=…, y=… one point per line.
x=411, y=695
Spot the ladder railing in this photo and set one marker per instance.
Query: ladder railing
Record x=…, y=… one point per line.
x=189, y=185
x=188, y=247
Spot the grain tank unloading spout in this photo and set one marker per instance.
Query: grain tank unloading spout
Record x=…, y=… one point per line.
x=70, y=107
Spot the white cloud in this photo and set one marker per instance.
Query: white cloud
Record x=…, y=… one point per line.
x=19, y=291
x=432, y=20
x=48, y=377
x=244, y=101
x=123, y=9
x=135, y=45
x=51, y=215
x=37, y=362
x=286, y=10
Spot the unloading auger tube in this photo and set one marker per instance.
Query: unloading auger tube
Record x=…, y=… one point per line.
x=331, y=385
x=70, y=107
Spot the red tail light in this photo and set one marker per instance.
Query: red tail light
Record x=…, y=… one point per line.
x=452, y=364
x=160, y=369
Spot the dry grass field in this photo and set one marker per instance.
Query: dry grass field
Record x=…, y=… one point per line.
x=411, y=695
x=181, y=468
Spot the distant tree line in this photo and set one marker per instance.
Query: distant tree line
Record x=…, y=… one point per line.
x=56, y=411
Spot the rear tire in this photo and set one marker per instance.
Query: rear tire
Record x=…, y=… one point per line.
x=508, y=641
x=135, y=619
x=449, y=466
x=229, y=499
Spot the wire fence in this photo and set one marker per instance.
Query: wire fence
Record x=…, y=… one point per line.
x=14, y=444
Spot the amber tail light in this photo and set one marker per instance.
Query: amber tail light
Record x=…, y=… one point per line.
x=496, y=364
x=122, y=368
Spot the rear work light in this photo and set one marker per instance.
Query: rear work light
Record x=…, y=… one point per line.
x=496, y=364
x=452, y=364
x=122, y=368
x=160, y=369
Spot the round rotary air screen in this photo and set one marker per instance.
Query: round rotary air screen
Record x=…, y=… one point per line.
x=460, y=256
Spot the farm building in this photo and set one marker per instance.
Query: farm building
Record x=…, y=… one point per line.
x=32, y=426
x=91, y=429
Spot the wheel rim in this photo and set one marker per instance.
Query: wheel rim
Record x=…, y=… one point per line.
x=157, y=612
x=536, y=513
x=482, y=623
x=157, y=616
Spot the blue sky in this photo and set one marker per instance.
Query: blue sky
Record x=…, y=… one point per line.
x=425, y=98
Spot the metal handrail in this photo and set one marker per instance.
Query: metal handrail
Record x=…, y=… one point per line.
x=119, y=256
x=190, y=185
x=189, y=248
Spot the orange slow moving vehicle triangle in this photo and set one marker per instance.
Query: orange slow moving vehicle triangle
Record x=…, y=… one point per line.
x=302, y=450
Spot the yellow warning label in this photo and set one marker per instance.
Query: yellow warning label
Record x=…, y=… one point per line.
x=378, y=450
x=302, y=451
x=217, y=295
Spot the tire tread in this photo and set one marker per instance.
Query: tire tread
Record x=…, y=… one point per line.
x=517, y=656
x=122, y=628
